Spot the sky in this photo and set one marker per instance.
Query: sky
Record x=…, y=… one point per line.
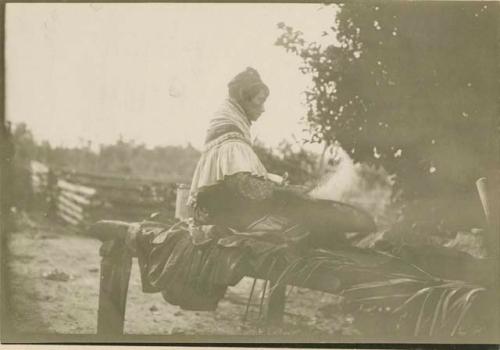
x=152, y=73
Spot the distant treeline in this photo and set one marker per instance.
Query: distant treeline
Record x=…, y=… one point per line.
x=162, y=163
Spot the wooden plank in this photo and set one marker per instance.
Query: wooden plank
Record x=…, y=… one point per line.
x=117, y=184
x=125, y=187
x=73, y=216
x=89, y=191
x=114, y=178
x=136, y=196
x=70, y=204
x=67, y=218
x=69, y=212
x=111, y=183
x=74, y=197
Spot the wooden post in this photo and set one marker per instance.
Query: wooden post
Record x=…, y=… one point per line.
x=489, y=190
x=116, y=264
x=276, y=304
x=52, y=195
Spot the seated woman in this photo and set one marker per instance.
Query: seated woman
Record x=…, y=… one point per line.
x=232, y=188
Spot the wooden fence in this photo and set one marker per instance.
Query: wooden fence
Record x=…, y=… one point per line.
x=81, y=198
x=75, y=202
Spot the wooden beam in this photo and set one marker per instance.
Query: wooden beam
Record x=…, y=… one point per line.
x=63, y=209
x=72, y=205
x=68, y=218
x=84, y=190
x=75, y=197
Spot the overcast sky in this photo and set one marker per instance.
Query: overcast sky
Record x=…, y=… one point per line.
x=153, y=73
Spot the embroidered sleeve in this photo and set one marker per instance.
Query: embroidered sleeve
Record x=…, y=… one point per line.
x=250, y=187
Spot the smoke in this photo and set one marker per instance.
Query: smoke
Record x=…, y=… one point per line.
x=368, y=187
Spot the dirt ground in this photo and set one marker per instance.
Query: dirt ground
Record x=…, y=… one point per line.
x=54, y=287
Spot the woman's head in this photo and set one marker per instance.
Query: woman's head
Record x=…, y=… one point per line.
x=250, y=92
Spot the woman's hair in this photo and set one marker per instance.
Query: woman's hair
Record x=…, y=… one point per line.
x=246, y=85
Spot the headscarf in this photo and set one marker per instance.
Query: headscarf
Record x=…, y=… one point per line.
x=230, y=115
x=244, y=82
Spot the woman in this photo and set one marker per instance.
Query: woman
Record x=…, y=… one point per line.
x=231, y=186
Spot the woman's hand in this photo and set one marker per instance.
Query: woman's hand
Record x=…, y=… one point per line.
x=277, y=179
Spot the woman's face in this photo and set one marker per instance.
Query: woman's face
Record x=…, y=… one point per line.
x=255, y=107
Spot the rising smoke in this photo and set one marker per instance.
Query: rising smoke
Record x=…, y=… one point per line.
x=367, y=187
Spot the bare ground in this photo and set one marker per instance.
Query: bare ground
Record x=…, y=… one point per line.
x=42, y=305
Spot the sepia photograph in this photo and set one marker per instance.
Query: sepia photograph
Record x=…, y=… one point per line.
x=251, y=173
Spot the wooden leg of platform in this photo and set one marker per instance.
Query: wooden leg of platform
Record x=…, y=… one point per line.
x=116, y=264
x=276, y=305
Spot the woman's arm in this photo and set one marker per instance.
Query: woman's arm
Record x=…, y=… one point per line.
x=255, y=188
x=250, y=187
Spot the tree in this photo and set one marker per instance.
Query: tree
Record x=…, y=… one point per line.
x=26, y=147
x=410, y=86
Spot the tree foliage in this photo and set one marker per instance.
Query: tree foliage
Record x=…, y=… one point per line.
x=123, y=158
x=410, y=86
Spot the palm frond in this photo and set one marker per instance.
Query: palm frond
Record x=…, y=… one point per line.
x=421, y=313
x=460, y=318
x=437, y=311
x=446, y=302
x=380, y=280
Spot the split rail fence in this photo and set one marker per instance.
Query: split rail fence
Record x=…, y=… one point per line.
x=79, y=198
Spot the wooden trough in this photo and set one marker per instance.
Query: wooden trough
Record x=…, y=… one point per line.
x=116, y=262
